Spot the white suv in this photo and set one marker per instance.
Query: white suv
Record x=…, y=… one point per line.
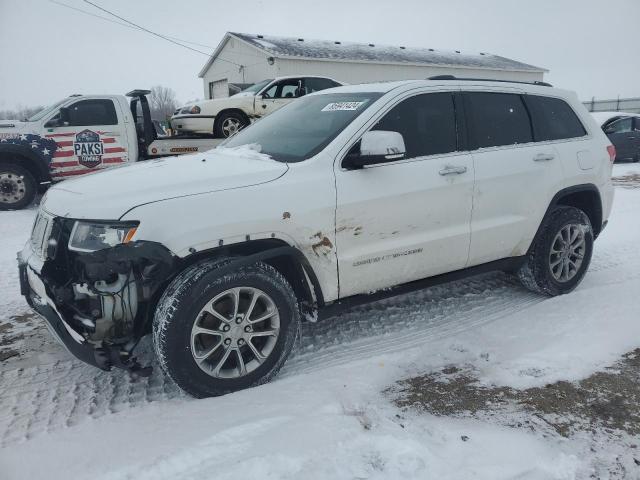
x=349, y=191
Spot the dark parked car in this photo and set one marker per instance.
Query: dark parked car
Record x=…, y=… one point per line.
x=623, y=129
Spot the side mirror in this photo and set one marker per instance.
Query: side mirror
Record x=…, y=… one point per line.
x=59, y=120
x=376, y=146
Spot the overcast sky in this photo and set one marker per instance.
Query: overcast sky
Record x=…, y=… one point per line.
x=49, y=51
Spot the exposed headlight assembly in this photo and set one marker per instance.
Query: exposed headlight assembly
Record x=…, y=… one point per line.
x=93, y=236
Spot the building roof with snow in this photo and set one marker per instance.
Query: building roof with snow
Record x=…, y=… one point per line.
x=334, y=50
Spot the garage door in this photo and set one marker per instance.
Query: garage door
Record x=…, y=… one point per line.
x=219, y=89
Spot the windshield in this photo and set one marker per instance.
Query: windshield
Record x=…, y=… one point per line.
x=303, y=128
x=257, y=87
x=45, y=111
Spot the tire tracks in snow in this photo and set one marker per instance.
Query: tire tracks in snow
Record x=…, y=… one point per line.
x=48, y=397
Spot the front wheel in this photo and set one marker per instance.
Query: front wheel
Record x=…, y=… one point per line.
x=228, y=124
x=560, y=255
x=215, y=334
x=17, y=187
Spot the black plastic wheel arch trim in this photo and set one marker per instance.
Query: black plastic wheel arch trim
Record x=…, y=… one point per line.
x=585, y=187
x=278, y=252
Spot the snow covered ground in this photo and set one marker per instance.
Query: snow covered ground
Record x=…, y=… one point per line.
x=330, y=414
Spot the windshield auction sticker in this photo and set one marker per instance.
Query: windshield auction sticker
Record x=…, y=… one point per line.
x=341, y=106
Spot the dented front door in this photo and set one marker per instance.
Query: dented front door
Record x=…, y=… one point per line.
x=408, y=219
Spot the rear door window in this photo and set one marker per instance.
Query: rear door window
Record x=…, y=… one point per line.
x=315, y=84
x=427, y=123
x=553, y=119
x=497, y=119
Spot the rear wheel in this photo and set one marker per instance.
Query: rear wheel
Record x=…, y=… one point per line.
x=560, y=256
x=17, y=187
x=228, y=124
x=215, y=334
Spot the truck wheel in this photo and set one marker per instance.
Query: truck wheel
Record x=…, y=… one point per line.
x=215, y=334
x=560, y=256
x=228, y=124
x=17, y=187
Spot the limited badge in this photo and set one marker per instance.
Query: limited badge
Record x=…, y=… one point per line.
x=88, y=148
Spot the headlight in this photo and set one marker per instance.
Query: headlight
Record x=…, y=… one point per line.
x=193, y=110
x=92, y=236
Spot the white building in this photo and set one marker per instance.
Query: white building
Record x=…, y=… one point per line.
x=242, y=58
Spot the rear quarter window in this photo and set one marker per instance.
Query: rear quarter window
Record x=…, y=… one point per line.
x=553, y=119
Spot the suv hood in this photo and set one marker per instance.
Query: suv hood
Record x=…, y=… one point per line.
x=110, y=194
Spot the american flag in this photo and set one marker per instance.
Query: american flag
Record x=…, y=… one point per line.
x=65, y=163
x=43, y=147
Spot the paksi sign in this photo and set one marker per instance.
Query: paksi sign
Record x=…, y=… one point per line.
x=88, y=148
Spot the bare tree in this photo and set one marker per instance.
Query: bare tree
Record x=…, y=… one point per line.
x=163, y=102
x=20, y=113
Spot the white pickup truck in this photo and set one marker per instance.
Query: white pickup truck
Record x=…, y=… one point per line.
x=78, y=135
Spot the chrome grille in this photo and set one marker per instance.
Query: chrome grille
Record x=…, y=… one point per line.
x=41, y=233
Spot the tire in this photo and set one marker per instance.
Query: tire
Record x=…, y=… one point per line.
x=541, y=271
x=18, y=188
x=222, y=127
x=180, y=313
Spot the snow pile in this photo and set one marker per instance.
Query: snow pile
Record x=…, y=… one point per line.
x=14, y=236
x=563, y=338
x=251, y=151
x=331, y=424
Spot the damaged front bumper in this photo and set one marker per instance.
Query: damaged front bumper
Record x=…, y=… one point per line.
x=35, y=292
x=59, y=288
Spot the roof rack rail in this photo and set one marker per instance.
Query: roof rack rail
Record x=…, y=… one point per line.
x=453, y=77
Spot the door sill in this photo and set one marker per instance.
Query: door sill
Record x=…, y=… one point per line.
x=506, y=264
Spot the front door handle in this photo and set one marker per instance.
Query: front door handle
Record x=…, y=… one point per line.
x=544, y=157
x=452, y=170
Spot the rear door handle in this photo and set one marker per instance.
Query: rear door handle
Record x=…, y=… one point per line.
x=544, y=157
x=451, y=170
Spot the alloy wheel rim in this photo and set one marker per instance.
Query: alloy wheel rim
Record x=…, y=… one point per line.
x=12, y=188
x=230, y=127
x=235, y=332
x=567, y=252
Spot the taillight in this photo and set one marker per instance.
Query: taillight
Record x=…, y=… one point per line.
x=611, y=150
